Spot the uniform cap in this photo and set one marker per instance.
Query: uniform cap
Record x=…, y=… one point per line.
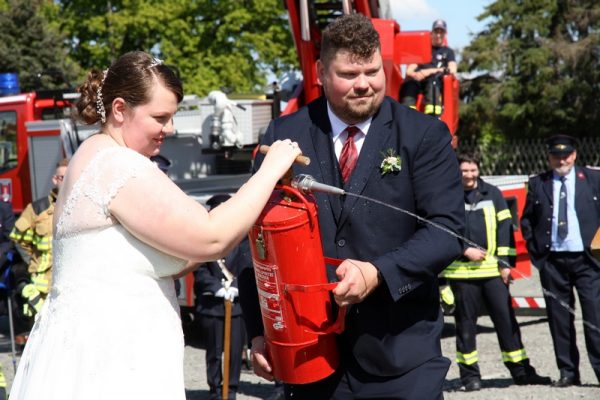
x=561, y=145
x=439, y=24
x=217, y=199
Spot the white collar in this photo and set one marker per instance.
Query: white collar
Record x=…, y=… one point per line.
x=338, y=126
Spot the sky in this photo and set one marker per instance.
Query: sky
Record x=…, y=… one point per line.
x=460, y=16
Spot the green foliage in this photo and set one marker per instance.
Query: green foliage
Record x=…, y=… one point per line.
x=32, y=46
x=212, y=43
x=542, y=59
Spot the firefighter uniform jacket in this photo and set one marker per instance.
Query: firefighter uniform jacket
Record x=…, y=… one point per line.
x=33, y=233
x=489, y=225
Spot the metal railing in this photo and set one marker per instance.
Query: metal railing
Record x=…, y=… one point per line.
x=524, y=156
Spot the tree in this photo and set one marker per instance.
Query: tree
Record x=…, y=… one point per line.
x=541, y=62
x=31, y=46
x=212, y=43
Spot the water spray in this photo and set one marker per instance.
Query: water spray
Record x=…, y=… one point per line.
x=308, y=184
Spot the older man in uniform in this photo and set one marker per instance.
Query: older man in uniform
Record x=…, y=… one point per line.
x=561, y=216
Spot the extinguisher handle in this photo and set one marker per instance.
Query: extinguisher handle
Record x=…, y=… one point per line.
x=328, y=327
x=319, y=287
x=300, y=196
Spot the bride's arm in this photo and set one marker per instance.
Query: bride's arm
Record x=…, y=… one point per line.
x=157, y=212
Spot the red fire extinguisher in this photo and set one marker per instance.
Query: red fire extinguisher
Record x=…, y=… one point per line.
x=300, y=318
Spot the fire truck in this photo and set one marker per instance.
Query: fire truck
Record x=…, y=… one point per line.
x=308, y=18
x=38, y=128
x=398, y=48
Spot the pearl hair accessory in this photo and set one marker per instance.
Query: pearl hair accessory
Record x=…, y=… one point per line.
x=155, y=62
x=99, y=100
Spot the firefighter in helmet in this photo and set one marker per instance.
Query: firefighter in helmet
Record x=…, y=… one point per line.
x=483, y=273
x=33, y=236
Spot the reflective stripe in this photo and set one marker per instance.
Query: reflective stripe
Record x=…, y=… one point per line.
x=487, y=268
x=447, y=295
x=479, y=206
x=28, y=236
x=506, y=251
x=44, y=243
x=504, y=214
x=489, y=214
x=45, y=262
x=430, y=109
x=41, y=283
x=29, y=291
x=16, y=234
x=467, y=359
x=514, y=356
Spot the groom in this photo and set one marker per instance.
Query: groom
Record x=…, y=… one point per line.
x=371, y=145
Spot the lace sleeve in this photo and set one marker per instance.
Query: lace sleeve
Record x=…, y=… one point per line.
x=129, y=164
x=87, y=206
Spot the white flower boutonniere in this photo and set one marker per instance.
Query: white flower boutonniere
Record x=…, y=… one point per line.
x=391, y=162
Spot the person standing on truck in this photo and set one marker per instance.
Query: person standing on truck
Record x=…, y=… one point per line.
x=428, y=78
x=560, y=219
x=32, y=235
x=367, y=143
x=483, y=273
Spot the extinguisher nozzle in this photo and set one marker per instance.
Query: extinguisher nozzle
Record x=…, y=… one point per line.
x=308, y=184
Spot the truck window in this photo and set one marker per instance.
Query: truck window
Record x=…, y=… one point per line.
x=8, y=140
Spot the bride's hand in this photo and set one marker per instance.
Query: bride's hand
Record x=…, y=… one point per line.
x=260, y=364
x=280, y=157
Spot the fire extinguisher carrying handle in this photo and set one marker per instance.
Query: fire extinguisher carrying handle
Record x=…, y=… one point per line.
x=338, y=325
x=290, y=287
x=317, y=287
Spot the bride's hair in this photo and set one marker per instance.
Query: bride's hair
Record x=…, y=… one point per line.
x=130, y=77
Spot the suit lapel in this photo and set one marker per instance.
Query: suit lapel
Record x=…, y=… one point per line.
x=548, y=186
x=320, y=133
x=369, y=157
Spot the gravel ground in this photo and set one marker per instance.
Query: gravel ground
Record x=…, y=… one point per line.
x=497, y=383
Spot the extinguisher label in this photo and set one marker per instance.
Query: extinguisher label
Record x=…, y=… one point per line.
x=268, y=293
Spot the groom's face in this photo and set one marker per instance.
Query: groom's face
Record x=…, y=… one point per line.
x=354, y=87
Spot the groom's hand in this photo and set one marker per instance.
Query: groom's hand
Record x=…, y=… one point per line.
x=260, y=363
x=357, y=280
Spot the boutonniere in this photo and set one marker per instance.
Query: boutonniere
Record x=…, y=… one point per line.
x=391, y=162
x=580, y=175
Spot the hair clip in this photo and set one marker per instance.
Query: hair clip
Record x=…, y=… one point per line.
x=99, y=100
x=155, y=62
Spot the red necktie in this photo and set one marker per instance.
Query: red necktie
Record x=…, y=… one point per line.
x=349, y=155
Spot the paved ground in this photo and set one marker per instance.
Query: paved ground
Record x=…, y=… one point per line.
x=497, y=384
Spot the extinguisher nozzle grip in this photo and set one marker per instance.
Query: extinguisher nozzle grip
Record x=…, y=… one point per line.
x=308, y=184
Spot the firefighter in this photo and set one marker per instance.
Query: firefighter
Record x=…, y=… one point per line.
x=484, y=273
x=428, y=78
x=33, y=236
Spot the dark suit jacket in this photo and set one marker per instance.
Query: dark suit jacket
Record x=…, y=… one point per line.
x=536, y=222
x=398, y=326
x=207, y=281
x=7, y=222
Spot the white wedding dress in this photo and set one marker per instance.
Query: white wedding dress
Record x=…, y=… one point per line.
x=110, y=328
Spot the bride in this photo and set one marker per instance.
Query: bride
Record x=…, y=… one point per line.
x=110, y=328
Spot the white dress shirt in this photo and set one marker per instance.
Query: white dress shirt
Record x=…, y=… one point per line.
x=339, y=134
x=573, y=241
